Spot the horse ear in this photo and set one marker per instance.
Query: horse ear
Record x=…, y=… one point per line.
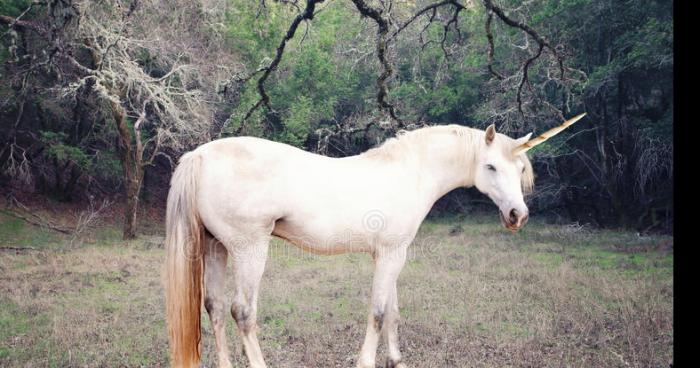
x=490, y=134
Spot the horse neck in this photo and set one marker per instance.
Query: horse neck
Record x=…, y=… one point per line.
x=449, y=161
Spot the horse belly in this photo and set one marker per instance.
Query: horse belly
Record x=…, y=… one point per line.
x=335, y=233
x=317, y=239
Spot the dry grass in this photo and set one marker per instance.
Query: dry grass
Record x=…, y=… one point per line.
x=471, y=295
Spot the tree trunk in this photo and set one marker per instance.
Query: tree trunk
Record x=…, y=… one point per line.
x=133, y=189
x=133, y=170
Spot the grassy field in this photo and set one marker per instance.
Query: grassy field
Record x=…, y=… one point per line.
x=471, y=295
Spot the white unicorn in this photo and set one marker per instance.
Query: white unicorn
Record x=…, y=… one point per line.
x=230, y=196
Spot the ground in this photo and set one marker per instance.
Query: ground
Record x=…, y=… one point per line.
x=471, y=295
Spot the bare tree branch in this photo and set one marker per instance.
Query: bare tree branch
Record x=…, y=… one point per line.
x=430, y=7
x=12, y=23
x=18, y=23
x=525, y=80
x=307, y=14
x=542, y=45
x=527, y=29
x=489, y=36
x=382, y=48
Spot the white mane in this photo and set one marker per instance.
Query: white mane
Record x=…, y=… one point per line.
x=409, y=143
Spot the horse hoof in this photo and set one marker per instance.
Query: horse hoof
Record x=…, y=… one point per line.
x=392, y=364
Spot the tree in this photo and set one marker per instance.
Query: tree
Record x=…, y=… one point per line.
x=142, y=70
x=339, y=76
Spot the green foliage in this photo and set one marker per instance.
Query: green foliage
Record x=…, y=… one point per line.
x=13, y=8
x=297, y=122
x=255, y=124
x=105, y=164
x=62, y=152
x=552, y=9
x=310, y=85
x=651, y=45
x=316, y=84
x=255, y=38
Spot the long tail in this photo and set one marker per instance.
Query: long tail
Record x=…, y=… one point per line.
x=184, y=243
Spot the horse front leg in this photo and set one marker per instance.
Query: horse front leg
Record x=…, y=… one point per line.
x=383, y=310
x=391, y=330
x=249, y=265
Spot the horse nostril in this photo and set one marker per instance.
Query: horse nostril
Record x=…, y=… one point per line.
x=513, y=216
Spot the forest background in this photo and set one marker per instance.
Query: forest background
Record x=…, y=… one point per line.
x=99, y=98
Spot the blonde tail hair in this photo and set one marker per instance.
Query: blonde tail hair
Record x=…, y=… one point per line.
x=184, y=243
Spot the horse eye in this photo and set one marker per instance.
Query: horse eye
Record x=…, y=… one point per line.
x=491, y=167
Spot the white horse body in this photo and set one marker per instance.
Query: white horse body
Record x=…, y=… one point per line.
x=228, y=197
x=323, y=205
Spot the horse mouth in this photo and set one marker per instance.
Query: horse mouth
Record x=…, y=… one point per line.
x=507, y=224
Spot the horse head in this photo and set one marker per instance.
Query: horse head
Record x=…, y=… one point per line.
x=504, y=172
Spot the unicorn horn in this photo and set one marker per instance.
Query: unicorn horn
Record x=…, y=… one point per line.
x=546, y=135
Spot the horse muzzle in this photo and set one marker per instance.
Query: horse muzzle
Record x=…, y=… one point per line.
x=515, y=219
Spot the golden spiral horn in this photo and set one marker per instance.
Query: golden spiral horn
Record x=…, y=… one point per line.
x=546, y=135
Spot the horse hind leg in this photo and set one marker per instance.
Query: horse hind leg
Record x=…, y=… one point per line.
x=215, y=257
x=249, y=256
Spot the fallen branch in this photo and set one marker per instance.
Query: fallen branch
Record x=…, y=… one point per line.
x=35, y=219
x=17, y=249
x=42, y=224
